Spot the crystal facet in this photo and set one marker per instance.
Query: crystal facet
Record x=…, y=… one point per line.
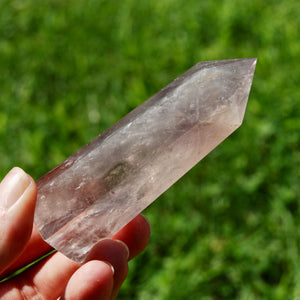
x=105, y=184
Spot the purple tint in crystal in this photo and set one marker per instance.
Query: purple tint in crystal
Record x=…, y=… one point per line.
x=104, y=185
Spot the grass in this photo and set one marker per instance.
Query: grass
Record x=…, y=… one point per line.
x=21, y=270
x=229, y=229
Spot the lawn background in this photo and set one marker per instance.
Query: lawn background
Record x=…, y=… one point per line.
x=229, y=229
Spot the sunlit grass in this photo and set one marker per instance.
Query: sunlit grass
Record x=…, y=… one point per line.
x=26, y=267
x=230, y=228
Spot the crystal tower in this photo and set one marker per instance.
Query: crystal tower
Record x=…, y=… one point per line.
x=105, y=184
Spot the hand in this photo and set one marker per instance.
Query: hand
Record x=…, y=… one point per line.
x=100, y=277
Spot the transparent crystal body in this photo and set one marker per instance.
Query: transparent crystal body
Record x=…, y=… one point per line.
x=105, y=184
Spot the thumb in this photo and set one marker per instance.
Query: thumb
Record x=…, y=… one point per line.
x=17, y=202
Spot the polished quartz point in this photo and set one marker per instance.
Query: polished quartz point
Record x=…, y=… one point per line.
x=104, y=185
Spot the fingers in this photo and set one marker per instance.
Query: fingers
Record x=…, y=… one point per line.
x=35, y=249
x=50, y=277
x=94, y=280
x=135, y=235
x=117, y=254
x=17, y=203
x=59, y=275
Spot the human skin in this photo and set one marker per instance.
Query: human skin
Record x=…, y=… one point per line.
x=99, y=277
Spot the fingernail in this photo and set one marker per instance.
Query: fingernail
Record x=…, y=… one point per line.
x=13, y=187
x=125, y=247
x=111, y=266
